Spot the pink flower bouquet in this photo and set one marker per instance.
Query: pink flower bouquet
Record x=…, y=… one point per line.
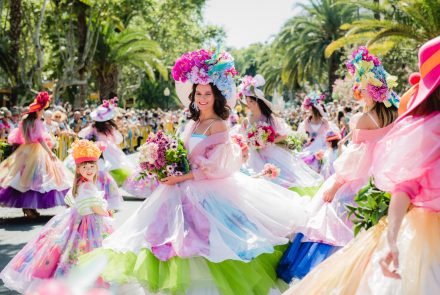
x=260, y=135
x=162, y=156
x=270, y=171
x=238, y=139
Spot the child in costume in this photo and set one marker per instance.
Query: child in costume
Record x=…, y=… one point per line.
x=32, y=177
x=294, y=172
x=331, y=154
x=401, y=257
x=328, y=227
x=213, y=230
x=76, y=231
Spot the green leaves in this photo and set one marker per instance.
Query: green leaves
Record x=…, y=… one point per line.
x=372, y=205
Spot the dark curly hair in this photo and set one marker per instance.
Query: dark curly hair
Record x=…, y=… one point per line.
x=220, y=106
x=105, y=127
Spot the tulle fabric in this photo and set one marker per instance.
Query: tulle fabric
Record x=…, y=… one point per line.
x=30, y=178
x=36, y=134
x=355, y=269
x=234, y=218
x=55, y=250
x=407, y=160
x=330, y=157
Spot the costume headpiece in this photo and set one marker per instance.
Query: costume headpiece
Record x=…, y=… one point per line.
x=41, y=102
x=84, y=150
x=314, y=99
x=331, y=135
x=370, y=75
x=249, y=87
x=106, y=111
x=204, y=67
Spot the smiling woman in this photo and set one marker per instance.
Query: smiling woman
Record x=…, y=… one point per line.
x=206, y=97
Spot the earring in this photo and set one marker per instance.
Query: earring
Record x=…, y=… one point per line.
x=194, y=106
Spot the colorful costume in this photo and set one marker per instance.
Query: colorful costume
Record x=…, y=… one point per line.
x=57, y=247
x=28, y=177
x=328, y=226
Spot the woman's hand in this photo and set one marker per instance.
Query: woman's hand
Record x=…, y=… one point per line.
x=392, y=256
x=171, y=180
x=52, y=156
x=329, y=194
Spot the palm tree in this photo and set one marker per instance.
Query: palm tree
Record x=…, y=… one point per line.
x=304, y=38
x=125, y=48
x=413, y=21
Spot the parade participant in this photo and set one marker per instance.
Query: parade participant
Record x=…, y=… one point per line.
x=33, y=177
x=294, y=172
x=212, y=230
x=76, y=231
x=328, y=227
x=331, y=154
x=403, y=256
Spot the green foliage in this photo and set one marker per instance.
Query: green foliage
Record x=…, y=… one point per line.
x=372, y=205
x=5, y=150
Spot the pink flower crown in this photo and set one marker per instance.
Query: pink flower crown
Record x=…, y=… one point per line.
x=112, y=103
x=248, y=86
x=312, y=99
x=204, y=67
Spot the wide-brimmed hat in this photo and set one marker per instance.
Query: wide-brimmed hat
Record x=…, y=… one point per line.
x=106, y=111
x=249, y=87
x=204, y=67
x=427, y=80
x=41, y=101
x=331, y=135
x=314, y=99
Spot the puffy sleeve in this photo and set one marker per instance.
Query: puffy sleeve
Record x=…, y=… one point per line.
x=88, y=197
x=86, y=132
x=117, y=136
x=354, y=163
x=16, y=135
x=281, y=127
x=219, y=161
x=407, y=160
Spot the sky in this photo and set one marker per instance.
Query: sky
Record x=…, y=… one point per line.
x=249, y=21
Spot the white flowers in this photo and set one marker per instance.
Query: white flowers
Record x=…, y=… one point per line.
x=148, y=153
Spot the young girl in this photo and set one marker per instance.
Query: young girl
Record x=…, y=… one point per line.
x=331, y=154
x=328, y=226
x=32, y=177
x=402, y=257
x=294, y=172
x=76, y=231
x=213, y=230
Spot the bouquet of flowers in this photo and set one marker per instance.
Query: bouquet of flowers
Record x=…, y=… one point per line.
x=238, y=139
x=162, y=156
x=296, y=141
x=260, y=135
x=319, y=156
x=270, y=171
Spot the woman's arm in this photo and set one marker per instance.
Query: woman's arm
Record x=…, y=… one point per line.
x=98, y=210
x=52, y=156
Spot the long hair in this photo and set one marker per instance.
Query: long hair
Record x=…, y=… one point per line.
x=105, y=127
x=316, y=113
x=221, y=108
x=264, y=108
x=77, y=178
x=28, y=125
x=429, y=105
x=386, y=115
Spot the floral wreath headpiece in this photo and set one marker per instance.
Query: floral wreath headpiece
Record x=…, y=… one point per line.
x=369, y=74
x=313, y=99
x=106, y=111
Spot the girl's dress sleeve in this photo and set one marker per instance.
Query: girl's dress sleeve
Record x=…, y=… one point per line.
x=354, y=163
x=281, y=127
x=219, y=161
x=88, y=197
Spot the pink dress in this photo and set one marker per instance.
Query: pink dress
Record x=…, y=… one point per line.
x=328, y=222
x=406, y=160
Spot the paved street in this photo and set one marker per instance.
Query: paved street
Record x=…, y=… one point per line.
x=16, y=231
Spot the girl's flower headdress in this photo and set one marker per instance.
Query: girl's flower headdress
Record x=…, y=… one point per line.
x=370, y=75
x=204, y=67
x=85, y=151
x=106, y=111
x=41, y=101
x=313, y=99
x=249, y=87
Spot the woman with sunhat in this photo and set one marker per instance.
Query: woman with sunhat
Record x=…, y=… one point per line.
x=33, y=177
x=213, y=230
x=328, y=227
x=401, y=256
x=294, y=172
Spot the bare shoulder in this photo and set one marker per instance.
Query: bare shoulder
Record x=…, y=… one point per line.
x=218, y=126
x=365, y=122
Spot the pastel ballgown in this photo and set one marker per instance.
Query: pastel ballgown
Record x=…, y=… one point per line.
x=328, y=227
x=57, y=247
x=294, y=173
x=28, y=177
x=221, y=233
x=406, y=160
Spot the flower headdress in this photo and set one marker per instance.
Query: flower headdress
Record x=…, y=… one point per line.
x=84, y=151
x=249, y=87
x=41, y=101
x=204, y=67
x=106, y=111
x=312, y=99
x=370, y=75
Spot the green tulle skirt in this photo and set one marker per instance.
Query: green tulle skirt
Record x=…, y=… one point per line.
x=120, y=175
x=306, y=191
x=178, y=275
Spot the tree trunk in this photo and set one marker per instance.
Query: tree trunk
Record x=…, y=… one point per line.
x=376, y=14
x=81, y=9
x=15, y=17
x=333, y=63
x=108, y=82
